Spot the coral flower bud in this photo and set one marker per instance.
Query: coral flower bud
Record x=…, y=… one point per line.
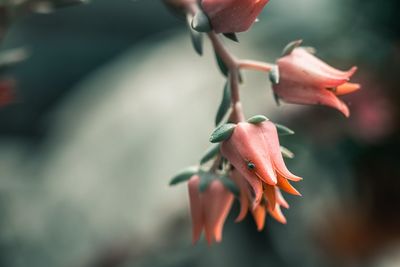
x=305, y=79
x=209, y=209
x=228, y=16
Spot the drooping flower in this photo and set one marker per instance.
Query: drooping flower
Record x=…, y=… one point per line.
x=254, y=151
x=271, y=202
x=229, y=16
x=209, y=209
x=305, y=79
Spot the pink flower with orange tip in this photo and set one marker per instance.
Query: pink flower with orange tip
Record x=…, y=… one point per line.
x=229, y=16
x=305, y=79
x=209, y=209
x=271, y=202
x=254, y=151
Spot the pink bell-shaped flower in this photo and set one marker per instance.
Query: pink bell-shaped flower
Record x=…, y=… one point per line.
x=305, y=79
x=209, y=209
x=228, y=16
x=254, y=151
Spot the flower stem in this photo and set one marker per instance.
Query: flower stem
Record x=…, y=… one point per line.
x=232, y=63
x=255, y=65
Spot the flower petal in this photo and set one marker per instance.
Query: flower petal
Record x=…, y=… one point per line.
x=229, y=16
x=277, y=214
x=217, y=202
x=230, y=152
x=244, y=194
x=196, y=208
x=270, y=194
x=301, y=52
x=293, y=92
x=286, y=186
x=346, y=88
x=259, y=216
x=305, y=71
x=279, y=198
x=271, y=140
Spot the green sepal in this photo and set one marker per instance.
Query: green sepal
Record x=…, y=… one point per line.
x=290, y=47
x=221, y=65
x=195, y=36
x=225, y=104
x=287, y=153
x=201, y=22
x=205, y=179
x=184, y=175
x=211, y=153
x=230, y=185
x=232, y=36
x=273, y=74
x=283, y=130
x=222, y=132
x=257, y=119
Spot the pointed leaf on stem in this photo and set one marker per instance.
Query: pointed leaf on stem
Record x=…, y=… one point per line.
x=184, y=175
x=205, y=179
x=222, y=132
x=211, y=153
x=283, y=130
x=201, y=22
x=230, y=185
x=196, y=37
x=290, y=47
x=274, y=75
x=225, y=104
x=257, y=119
x=232, y=36
x=222, y=67
x=287, y=153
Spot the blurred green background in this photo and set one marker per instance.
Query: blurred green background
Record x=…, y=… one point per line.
x=112, y=101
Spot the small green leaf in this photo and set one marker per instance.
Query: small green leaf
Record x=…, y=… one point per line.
x=211, y=152
x=225, y=104
x=290, y=47
x=222, y=67
x=205, y=179
x=232, y=36
x=257, y=119
x=201, y=22
x=274, y=75
x=287, y=153
x=184, y=175
x=283, y=130
x=196, y=37
x=222, y=132
x=230, y=185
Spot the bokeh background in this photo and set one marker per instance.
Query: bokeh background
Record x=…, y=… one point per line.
x=111, y=101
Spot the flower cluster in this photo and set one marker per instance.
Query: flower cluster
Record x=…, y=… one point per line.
x=246, y=159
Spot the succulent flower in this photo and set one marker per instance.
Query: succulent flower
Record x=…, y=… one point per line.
x=254, y=151
x=271, y=202
x=305, y=79
x=228, y=16
x=209, y=209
